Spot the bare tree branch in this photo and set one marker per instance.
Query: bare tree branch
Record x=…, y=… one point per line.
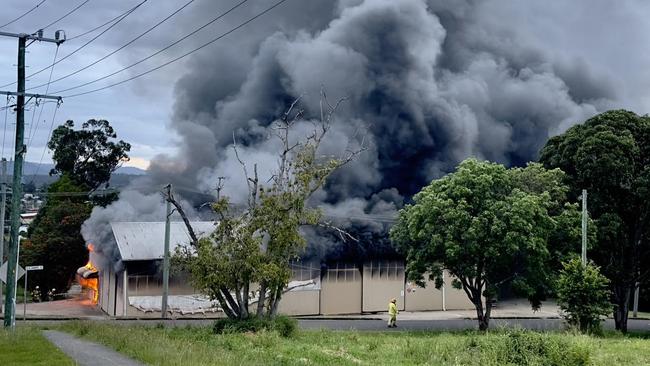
x=170, y=197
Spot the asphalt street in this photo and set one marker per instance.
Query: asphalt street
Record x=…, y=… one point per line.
x=455, y=324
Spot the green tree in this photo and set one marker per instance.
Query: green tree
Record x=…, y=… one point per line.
x=256, y=247
x=85, y=160
x=486, y=225
x=583, y=295
x=89, y=155
x=54, y=240
x=609, y=155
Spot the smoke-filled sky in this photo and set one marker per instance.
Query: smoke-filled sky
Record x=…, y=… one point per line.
x=429, y=82
x=590, y=49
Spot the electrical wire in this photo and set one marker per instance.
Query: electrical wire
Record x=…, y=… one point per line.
x=58, y=104
x=99, y=26
x=65, y=15
x=31, y=126
x=223, y=35
x=24, y=14
x=82, y=46
x=144, y=59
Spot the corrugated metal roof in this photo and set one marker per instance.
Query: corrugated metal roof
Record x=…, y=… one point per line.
x=146, y=240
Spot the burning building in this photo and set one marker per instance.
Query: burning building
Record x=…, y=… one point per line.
x=88, y=278
x=134, y=289
x=429, y=82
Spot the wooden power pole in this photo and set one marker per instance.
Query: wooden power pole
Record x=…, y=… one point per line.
x=3, y=197
x=19, y=153
x=165, y=294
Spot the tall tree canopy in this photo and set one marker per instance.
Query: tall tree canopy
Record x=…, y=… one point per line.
x=54, y=239
x=609, y=155
x=89, y=155
x=488, y=226
x=85, y=159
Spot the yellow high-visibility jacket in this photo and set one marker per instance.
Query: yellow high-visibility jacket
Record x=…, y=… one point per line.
x=392, y=309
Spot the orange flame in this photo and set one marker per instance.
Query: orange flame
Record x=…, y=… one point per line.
x=91, y=284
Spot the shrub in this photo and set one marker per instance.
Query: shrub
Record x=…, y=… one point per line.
x=283, y=325
x=530, y=348
x=523, y=347
x=583, y=295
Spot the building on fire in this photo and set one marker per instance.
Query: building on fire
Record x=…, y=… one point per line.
x=342, y=288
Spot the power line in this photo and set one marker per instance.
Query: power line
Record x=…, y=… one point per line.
x=100, y=26
x=31, y=126
x=58, y=104
x=82, y=46
x=120, y=48
x=144, y=59
x=24, y=14
x=65, y=15
x=185, y=54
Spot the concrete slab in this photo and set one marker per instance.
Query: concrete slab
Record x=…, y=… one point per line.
x=87, y=353
x=78, y=308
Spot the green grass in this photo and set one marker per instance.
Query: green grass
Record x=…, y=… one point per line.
x=198, y=346
x=27, y=346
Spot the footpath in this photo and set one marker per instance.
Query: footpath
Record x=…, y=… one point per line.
x=86, y=353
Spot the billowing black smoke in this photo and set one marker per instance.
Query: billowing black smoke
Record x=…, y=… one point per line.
x=428, y=83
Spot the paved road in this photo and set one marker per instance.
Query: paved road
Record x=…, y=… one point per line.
x=456, y=324
x=86, y=353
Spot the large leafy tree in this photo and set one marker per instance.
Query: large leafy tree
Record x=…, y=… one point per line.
x=609, y=155
x=488, y=226
x=84, y=159
x=88, y=155
x=54, y=240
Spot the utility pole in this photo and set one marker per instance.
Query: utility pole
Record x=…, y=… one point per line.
x=20, y=150
x=635, y=306
x=3, y=187
x=584, y=227
x=168, y=190
x=220, y=187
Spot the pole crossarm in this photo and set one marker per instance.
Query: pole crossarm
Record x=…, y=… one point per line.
x=34, y=37
x=30, y=95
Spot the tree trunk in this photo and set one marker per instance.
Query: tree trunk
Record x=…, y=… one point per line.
x=483, y=316
x=225, y=306
x=245, y=299
x=261, y=300
x=231, y=301
x=276, y=301
x=622, y=307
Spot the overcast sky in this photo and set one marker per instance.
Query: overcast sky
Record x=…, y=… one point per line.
x=610, y=39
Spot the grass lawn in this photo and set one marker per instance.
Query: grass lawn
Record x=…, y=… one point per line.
x=27, y=346
x=198, y=346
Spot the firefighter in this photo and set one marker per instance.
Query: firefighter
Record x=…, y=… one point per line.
x=36, y=294
x=392, y=313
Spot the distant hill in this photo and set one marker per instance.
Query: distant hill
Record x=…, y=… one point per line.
x=38, y=174
x=31, y=168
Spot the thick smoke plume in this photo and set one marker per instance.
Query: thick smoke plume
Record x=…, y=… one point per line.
x=430, y=83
